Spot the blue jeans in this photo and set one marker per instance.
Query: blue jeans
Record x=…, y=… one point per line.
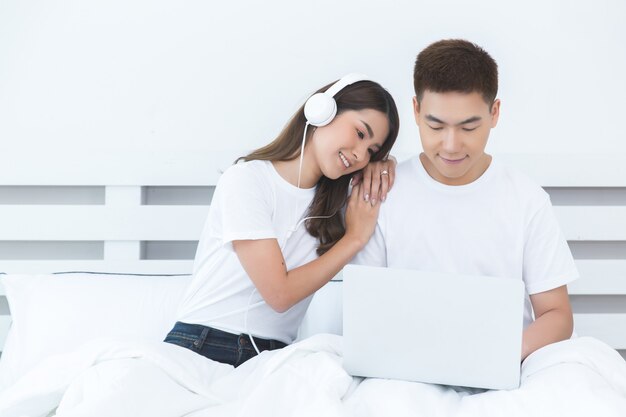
x=218, y=345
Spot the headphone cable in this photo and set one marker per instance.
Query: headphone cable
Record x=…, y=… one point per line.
x=306, y=125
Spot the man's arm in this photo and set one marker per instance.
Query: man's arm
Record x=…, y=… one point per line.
x=553, y=320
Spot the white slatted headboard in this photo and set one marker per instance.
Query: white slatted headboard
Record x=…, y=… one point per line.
x=122, y=219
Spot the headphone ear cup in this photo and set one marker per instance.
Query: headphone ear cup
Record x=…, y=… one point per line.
x=320, y=109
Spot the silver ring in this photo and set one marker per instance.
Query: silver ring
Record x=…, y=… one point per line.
x=384, y=172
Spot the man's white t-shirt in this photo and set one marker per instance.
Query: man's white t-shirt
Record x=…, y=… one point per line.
x=251, y=201
x=500, y=225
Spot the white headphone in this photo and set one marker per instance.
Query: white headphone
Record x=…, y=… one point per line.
x=321, y=108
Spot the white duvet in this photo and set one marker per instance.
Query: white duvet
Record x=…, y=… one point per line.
x=578, y=377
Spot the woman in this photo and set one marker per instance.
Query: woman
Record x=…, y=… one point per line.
x=275, y=233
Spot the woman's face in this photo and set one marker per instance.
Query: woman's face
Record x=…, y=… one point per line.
x=347, y=143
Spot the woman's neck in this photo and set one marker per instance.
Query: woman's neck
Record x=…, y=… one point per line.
x=309, y=176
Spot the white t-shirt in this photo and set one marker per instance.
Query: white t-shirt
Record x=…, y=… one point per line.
x=500, y=225
x=251, y=201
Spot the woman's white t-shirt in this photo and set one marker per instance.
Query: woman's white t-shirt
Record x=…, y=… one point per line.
x=251, y=201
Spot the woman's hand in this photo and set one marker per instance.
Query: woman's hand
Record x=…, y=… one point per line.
x=361, y=216
x=377, y=179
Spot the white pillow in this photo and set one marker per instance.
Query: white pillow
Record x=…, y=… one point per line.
x=56, y=313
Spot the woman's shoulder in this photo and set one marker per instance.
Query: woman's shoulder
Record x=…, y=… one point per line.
x=248, y=170
x=244, y=177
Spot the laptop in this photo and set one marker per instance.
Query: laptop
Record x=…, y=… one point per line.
x=432, y=327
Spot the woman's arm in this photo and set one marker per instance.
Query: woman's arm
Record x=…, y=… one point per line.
x=281, y=289
x=553, y=320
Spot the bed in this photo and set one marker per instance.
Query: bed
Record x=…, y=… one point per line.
x=94, y=261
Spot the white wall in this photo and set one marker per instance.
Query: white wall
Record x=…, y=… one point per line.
x=90, y=81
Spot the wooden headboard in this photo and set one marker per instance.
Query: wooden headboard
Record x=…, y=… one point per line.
x=147, y=219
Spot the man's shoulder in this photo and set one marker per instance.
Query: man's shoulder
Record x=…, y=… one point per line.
x=516, y=180
x=407, y=164
x=407, y=170
x=519, y=188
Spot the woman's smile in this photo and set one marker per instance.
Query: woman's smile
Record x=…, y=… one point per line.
x=344, y=160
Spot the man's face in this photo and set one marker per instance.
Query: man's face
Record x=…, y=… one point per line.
x=454, y=128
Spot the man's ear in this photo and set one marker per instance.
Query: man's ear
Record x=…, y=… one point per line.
x=495, y=112
x=416, y=109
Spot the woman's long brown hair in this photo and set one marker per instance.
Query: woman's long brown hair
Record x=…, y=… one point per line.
x=331, y=195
